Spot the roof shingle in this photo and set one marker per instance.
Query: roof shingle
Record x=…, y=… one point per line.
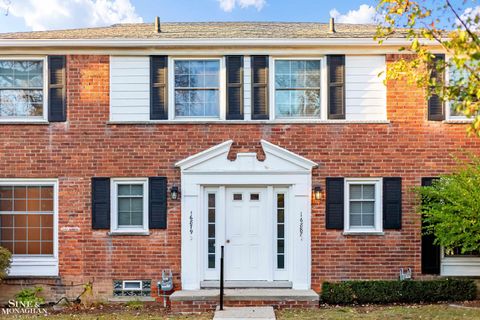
x=208, y=30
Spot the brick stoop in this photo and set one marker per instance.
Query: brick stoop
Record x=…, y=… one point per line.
x=197, y=301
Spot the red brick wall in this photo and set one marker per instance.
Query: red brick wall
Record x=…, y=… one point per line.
x=86, y=146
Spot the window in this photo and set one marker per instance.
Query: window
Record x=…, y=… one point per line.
x=211, y=230
x=28, y=225
x=280, y=231
x=26, y=219
x=130, y=206
x=458, y=78
x=297, y=88
x=363, y=205
x=197, y=88
x=132, y=288
x=22, y=89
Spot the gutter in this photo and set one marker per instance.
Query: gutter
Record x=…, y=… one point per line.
x=125, y=43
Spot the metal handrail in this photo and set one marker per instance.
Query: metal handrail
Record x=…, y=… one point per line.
x=221, y=277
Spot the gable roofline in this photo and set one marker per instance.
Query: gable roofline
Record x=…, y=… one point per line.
x=126, y=43
x=224, y=148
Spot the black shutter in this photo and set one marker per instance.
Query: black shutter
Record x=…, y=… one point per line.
x=335, y=200
x=234, y=66
x=392, y=203
x=430, y=251
x=57, y=89
x=158, y=87
x=100, y=203
x=436, y=106
x=260, y=88
x=157, y=202
x=336, y=86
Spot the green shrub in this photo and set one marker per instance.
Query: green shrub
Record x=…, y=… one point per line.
x=5, y=260
x=380, y=292
x=30, y=296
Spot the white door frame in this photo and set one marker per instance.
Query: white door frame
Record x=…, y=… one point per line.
x=211, y=168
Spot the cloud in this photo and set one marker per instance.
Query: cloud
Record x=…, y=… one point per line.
x=364, y=14
x=471, y=17
x=64, y=14
x=229, y=5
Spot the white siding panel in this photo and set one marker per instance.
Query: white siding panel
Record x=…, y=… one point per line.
x=366, y=94
x=129, y=88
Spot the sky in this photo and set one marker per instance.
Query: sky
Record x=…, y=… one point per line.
x=27, y=15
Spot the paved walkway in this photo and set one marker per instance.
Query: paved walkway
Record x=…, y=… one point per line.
x=249, y=313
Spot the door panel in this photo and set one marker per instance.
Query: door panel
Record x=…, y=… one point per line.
x=246, y=250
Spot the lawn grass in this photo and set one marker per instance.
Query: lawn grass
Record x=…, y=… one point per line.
x=424, y=312
x=436, y=312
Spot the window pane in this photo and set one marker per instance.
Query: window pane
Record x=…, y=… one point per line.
x=355, y=207
x=368, y=191
x=137, y=218
x=368, y=207
x=355, y=191
x=368, y=220
x=355, y=220
x=280, y=261
x=137, y=204
x=124, y=218
x=124, y=205
x=21, y=103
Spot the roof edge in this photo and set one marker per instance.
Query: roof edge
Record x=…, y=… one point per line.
x=124, y=43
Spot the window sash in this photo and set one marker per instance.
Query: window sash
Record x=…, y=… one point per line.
x=377, y=205
x=116, y=226
x=204, y=103
x=291, y=108
x=41, y=87
x=26, y=232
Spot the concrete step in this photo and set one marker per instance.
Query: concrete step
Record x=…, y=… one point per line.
x=247, y=284
x=250, y=313
x=246, y=295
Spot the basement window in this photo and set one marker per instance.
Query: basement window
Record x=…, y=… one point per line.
x=132, y=288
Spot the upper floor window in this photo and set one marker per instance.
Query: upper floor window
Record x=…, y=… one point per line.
x=21, y=89
x=460, y=78
x=298, y=88
x=197, y=88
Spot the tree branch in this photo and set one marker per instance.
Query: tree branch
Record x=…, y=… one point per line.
x=473, y=35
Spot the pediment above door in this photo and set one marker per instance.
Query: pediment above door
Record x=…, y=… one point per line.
x=215, y=159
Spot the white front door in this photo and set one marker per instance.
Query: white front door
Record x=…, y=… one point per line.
x=247, y=250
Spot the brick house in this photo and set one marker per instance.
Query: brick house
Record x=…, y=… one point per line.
x=133, y=149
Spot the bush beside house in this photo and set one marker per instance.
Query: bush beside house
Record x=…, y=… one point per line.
x=352, y=292
x=5, y=260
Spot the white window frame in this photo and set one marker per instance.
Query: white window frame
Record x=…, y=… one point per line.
x=44, y=117
x=323, y=90
x=37, y=265
x=378, y=218
x=131, y=281
x=222, y=89
x=114, y=228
